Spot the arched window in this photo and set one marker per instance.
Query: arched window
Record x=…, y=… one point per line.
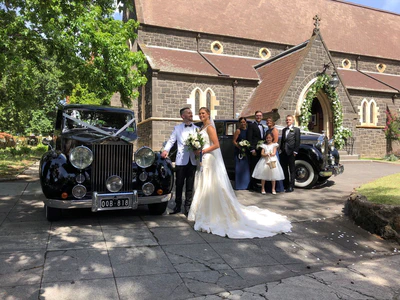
x=198, y=98
x=208, y=100
x=196, y=101
x=368, y=113
x=373, y=112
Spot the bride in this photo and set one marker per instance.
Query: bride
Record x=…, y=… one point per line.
x=215, y=208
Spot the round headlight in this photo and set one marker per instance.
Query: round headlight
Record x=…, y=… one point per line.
x=81, y=157
x=80, y=178
x=321, y=143
x=148, y=188
x=144, y=157
x=79, y=191
x=114, y=183
x=143, y=176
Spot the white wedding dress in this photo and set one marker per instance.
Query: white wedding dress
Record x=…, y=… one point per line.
x=215, y=208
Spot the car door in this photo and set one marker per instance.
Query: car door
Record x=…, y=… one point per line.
x=225, y=132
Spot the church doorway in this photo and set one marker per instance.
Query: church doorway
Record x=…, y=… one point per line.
x=316, y=123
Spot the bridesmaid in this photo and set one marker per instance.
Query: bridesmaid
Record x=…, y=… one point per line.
x=242, y=169
x=275, y=137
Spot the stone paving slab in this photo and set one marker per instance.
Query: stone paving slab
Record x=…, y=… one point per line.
x=72, y=265
x=150, y=287
x=24, y=292
x=99, y=289
x=194, y=258
x=140, y=261
x=28, y=242
x=21, y=268
x=12, y=188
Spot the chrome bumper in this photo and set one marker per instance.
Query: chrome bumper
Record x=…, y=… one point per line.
x=332, y=170
x=94, y=204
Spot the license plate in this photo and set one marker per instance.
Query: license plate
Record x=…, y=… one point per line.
x=108, y=203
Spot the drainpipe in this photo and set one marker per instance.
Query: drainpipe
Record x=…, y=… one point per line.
x=207, y=60
x=234, y=85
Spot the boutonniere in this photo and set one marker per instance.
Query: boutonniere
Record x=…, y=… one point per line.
x=291, y=129
x=264, y=126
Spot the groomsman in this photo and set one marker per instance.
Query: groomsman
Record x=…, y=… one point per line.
x=255, y=133
x=289, y=145
x=185, y=163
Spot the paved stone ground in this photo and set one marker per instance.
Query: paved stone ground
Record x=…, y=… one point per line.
x=131, y=255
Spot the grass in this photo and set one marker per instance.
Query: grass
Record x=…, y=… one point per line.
x=14, y=160
x=385, y=190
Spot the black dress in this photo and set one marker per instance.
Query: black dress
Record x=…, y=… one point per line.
x=242, y=169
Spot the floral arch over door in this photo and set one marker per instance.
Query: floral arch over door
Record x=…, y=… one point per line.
x=331, y=106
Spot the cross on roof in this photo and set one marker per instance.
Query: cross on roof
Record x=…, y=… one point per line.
x=317, y=19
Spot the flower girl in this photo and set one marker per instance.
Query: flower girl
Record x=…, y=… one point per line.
x=268, y=167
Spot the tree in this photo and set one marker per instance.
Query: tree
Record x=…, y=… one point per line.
x=50, y=48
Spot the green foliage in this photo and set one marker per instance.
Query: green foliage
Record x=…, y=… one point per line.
x=391, y=157
x=392, y=128
x=340, y=133
x=81, y=95
x=50, y=48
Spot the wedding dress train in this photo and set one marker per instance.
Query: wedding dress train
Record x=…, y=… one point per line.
x=215, y=208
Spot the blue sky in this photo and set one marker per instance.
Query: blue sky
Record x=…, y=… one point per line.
x=389, y=5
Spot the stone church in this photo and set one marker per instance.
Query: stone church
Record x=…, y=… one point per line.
x=277, y=56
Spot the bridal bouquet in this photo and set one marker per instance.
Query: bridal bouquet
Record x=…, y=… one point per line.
x=195, y=141
x=259, y=143
x=244, y=146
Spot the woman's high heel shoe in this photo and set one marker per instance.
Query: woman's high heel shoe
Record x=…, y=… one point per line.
x=263, y=192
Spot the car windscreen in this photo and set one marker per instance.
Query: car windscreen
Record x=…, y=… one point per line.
x=108, y=121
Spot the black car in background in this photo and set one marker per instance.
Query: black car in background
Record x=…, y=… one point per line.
x=92, y=164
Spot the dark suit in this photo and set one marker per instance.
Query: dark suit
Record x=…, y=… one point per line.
x=289, y=144
x=253, y=136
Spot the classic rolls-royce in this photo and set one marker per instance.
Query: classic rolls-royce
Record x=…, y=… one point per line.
x=91, y=163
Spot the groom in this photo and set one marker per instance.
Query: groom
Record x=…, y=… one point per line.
x=289, y=145
x=185, y=163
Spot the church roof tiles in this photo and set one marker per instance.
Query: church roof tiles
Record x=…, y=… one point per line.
x=191, y=62
x=347, y=28
x=357, y=80
x=275, y=77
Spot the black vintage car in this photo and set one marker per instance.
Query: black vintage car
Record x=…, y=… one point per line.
x=91, y=163
x=316, y=161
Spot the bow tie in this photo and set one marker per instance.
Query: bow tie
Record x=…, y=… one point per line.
x=259, y=124
x=190, y=125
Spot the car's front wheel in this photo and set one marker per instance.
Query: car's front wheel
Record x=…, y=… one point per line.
x=306, y=177
x=52, y=214
x=158, y=208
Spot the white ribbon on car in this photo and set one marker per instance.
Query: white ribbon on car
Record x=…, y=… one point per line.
x=80, y=122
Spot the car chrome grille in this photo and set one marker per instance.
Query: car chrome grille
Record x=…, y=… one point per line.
x=112, y=159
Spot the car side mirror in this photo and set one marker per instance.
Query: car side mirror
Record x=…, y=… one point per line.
x=47, y=142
